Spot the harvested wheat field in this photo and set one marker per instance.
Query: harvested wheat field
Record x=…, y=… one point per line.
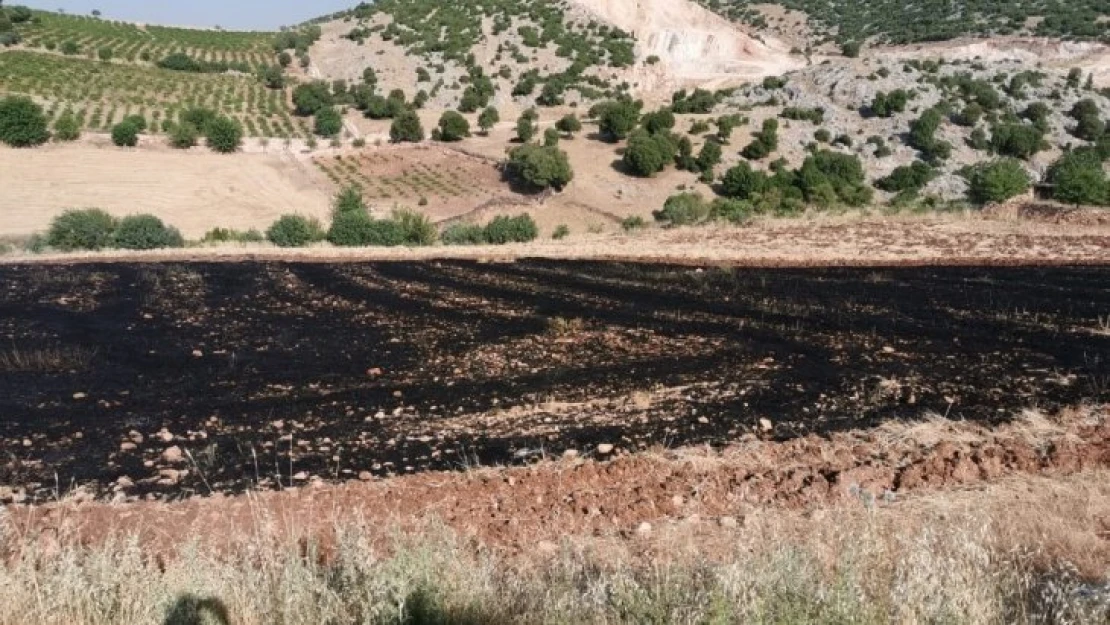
x=194, y=191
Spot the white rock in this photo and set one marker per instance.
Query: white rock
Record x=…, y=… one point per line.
x=173, y=454
x=605, y=449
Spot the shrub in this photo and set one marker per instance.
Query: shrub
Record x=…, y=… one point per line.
x=453, y=127
x=488, y=118
x=765, y=141
x=647, y=154
x=224, y=135
x=658, y=121
x=1017, y=140
x=146, y=232
x=887, y=104
x=569, y=124
x=683, y=209
x=138, y=121
x=635, y=222
x=463, y=234
x=551, y=138
x=907, y=178
x=89, y=229
x=541, y=167
x=198, y=117
x=358, y=229
x=416, y=229
x=970, y=116
x=822, y=135
x=183, y=136
x=294, y=231
x=70, y=48
x=562, y=231
x=66, y=127
x=742, y=182
x=815, y=115
x=996, y=181
x=224, y=235
x=519, y=229
x=348, y=200
x=328, y=123
x=710, y=156
x=850, y=49
x=406, y=127
x=125, y=134
x=699, y=127
x=734, y=211
x=22, y=122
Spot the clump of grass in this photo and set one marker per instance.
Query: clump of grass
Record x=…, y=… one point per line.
x=45, y=359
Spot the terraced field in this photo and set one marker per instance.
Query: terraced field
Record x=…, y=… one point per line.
x=104, y=93
x=142, y=43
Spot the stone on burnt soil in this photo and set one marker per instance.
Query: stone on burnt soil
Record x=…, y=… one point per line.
x=605, y=449
x=173, y=454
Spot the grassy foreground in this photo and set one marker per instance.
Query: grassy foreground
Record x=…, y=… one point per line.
x=981, y=557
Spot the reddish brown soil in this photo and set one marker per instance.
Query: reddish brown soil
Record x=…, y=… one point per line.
x=517, y=509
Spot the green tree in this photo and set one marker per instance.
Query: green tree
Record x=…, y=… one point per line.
x=311, y=97
x=525, y=128
x=540, y=167
x=349, y=200
x=647, y=153
x=224, y=135
x=1078, y=178
x=22, y=122
x=328, y=123
x=996, y=181
x=285, y=59
x=66, y=127
x=551, y=137
x=488, y=118
x=453, y=127
x=850, y=49
x=616, y=119
x=406, y=127
x=105, y=53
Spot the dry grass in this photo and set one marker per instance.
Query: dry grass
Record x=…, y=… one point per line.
x=966, y=557
x=45, y=359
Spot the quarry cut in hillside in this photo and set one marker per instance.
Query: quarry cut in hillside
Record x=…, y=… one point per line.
x=695, y=45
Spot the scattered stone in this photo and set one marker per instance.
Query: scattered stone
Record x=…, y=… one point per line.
x=570, y=454
x=173, y=454
x=547, y=547
x=766, y=425
x=887, y=349
x=165, y=436
x=729, y=522
x=300, y=477
x=27, y=442
x=79, y=395
x=128, y=446
x=198, y=354
x=605, y=449
x=135, y=437
x=703, y=420
x=125, y=482
x=644, y=530
x=374, y=372
x=365, y=476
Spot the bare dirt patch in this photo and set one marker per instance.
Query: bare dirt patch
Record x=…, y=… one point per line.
x=193, y=191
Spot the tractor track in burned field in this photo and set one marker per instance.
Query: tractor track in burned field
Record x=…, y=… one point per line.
x=173, y=379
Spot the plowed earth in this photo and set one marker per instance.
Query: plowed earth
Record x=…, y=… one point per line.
x=166, y=380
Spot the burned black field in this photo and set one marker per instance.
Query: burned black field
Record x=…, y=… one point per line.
x=164, y=380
